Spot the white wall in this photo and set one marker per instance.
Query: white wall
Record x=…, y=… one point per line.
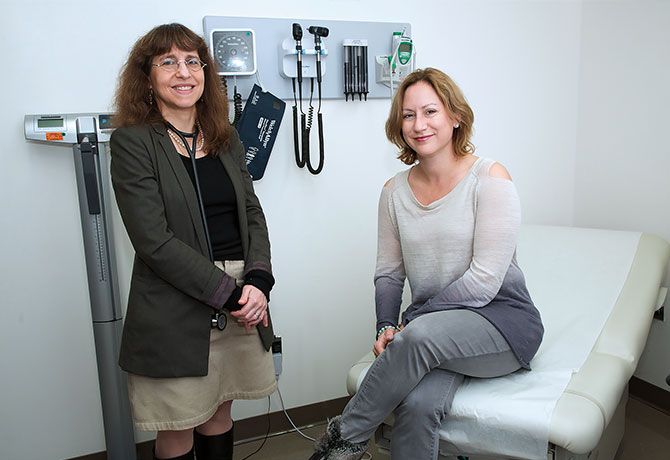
x=623, y=153
x=517, y=62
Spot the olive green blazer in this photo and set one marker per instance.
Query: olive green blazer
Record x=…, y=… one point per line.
x=174, y=286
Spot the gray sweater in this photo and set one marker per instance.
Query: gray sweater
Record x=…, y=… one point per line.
x=456, y=252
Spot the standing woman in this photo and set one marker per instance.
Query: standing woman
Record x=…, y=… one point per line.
x=449, y=226
x=191, y=273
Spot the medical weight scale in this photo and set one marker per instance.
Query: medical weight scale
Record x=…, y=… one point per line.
x=88, y=134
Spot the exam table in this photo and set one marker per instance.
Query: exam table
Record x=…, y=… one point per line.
x=597, y=291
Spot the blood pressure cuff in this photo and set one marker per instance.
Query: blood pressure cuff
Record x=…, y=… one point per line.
x=258, y=127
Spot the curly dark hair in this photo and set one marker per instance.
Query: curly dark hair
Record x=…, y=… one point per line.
x=132, y=104
x=452, y=98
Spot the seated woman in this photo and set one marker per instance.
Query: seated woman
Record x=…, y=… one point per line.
x=449, y=225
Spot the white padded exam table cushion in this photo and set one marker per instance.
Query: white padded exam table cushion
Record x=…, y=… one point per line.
x=600, y=381
x=575, y=277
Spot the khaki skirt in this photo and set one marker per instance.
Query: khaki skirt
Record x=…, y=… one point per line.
x=239, y=368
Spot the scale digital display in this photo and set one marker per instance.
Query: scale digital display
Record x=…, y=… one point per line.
x=50, y=123
x=64, y=128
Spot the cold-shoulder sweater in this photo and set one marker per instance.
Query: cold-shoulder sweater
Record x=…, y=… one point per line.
x=457, y=252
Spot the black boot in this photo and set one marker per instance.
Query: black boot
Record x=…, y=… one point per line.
x=217, y=447
x=187, y=456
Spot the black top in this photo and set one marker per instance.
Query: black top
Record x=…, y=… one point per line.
x=166, y=332
x=220, y=206
x=218, y=197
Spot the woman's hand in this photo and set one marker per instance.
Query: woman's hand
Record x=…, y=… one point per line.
x=254, y=308
x=383, y=341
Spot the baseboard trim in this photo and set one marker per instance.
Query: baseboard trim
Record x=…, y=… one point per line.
x=256, y=427
x=650, y=394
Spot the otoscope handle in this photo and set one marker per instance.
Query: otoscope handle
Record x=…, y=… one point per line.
x=298, y=62
x=318, y=68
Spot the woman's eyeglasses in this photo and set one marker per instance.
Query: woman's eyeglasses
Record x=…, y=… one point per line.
x=171, y=65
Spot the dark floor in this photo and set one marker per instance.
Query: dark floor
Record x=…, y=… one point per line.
x=647, y=434
x=647, y=437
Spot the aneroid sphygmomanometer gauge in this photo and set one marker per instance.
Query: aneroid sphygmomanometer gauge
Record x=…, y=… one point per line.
x=234, y=51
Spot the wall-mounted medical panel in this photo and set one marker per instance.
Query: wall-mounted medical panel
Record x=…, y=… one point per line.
x=268, y=45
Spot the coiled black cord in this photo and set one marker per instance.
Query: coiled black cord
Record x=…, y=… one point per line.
x=237, y=102
x=296, y=138
x=224, y=86
x=310, y=117
x=237, y=99
x=308, y=125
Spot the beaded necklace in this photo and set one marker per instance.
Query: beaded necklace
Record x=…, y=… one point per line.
x=179, y=142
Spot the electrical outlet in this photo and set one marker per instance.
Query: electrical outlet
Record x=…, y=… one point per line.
x=660, y=314
x=277, y=355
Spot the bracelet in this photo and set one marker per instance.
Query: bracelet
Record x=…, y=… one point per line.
x=383, y=329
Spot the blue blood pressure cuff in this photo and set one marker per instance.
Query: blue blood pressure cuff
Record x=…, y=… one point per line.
x=258, y=127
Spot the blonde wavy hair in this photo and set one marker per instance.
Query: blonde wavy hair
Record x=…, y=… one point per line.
x=452, y=98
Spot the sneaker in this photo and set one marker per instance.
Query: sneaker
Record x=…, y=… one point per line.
x=331, y=446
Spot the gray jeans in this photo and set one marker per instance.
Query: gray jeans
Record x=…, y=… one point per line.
x=417, y=376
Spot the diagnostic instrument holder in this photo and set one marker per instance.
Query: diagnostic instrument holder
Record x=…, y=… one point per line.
x=276, y=54
x=302, y=155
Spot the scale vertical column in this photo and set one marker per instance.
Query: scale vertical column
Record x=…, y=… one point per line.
x=92, y=185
